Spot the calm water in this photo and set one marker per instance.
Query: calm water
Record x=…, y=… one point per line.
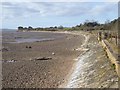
x=21, y=37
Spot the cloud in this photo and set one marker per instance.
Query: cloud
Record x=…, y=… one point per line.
x=61, y=1
x=105, y=8
x=12, y=10
x=46, y=9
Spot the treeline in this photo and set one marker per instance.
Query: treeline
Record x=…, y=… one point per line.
x=20, y=28
x=88, y=25
x=94, y=25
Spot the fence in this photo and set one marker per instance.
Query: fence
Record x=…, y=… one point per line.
x=111, y=36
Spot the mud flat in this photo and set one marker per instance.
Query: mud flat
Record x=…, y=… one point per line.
x=24, y=64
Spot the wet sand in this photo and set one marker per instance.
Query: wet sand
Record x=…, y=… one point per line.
x=20, y=69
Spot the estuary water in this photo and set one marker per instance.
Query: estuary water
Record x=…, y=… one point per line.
x=22, y=37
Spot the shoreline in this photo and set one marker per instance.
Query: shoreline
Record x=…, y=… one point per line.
x=86, y=36
x=60, y=71
x=69, y=76
x=64, y=55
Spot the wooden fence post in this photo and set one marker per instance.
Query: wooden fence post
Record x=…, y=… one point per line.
x=119, y=83
x=99, y=36
x=116, y=39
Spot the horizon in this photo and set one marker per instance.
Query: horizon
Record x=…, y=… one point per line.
x=50, y=14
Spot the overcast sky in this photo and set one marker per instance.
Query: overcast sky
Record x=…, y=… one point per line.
x=45, y=14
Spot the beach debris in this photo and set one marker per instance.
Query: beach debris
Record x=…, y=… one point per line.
x=82, y=49
x=53, y=53
x=10, y=61
x=42, y=58
x=74, y=49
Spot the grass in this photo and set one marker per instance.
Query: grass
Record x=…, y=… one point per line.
x=114, y=47
x=113, y=66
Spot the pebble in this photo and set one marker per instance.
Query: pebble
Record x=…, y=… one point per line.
x=53, y=53
x=28, y=47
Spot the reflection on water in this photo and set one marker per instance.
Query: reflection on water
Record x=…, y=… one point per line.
x=21, y=37
x=31, y=40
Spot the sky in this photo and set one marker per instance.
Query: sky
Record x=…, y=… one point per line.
x=46, y=14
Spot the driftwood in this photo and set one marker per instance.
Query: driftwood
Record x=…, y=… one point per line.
x=43, y=58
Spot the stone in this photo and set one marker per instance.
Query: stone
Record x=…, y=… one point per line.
x=53, y=53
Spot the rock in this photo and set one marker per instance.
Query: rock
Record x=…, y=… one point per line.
x=30, y=59
x=4, y=49
x=28, y=47
x=112, y=80
x=53, y=53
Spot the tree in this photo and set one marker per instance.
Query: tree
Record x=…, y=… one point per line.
x=51, y=27
x=55, y=27
x=30, y=28
x=20, y=28
x=91, y=23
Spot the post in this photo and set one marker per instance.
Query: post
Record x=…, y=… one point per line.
x=99, y=36
x=118, y=71
x=110, y=36
x=105, y=35
x=116, y=39
x=119, y=77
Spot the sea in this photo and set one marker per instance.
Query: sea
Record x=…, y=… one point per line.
x=12, y=36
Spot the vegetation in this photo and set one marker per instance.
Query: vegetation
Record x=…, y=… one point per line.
x=86, y=26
